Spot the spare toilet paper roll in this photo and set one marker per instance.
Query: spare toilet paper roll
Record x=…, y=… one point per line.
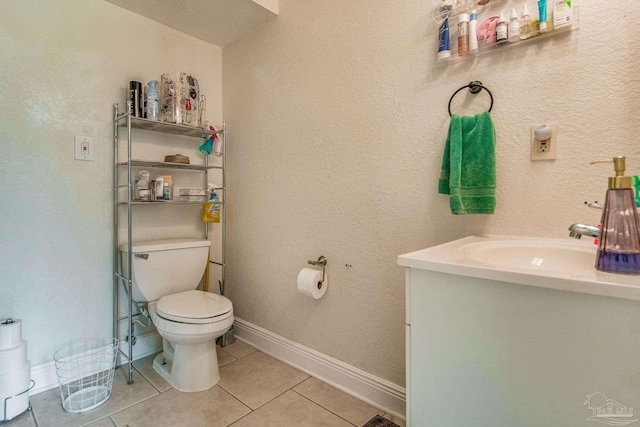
x=310, y=283
x=14, y=358
x=12, y=384
x=10, y=333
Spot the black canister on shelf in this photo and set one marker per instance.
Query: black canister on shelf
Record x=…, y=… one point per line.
x=135, y=94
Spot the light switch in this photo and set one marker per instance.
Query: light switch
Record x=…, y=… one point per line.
x=84, y=148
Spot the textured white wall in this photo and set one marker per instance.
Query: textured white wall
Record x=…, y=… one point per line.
x=63, y=65
x=337, y=117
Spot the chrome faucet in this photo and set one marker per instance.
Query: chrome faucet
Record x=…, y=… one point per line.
x=579, y=230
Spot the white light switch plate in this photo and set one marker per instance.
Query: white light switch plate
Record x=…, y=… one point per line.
x=544, y=152
x=83, y=148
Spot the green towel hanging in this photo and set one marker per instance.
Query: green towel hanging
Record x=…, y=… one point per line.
x=469, y=165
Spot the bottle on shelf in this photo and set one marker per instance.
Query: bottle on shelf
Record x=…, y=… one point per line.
x=153, y=104
x=211, y=210
x=501, y=30
x=444, y=44
x=463, y=34
x=525, y=23
x=514, y=27
x=143, y=186
x=473, y=32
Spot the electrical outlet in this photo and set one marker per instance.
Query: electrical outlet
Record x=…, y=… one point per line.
x=83, y=148
x=544, y=140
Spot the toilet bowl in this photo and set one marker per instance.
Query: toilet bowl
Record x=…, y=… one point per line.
x=165, y=274
x=189, y=323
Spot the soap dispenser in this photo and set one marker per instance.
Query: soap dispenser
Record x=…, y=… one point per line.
x=619, y=246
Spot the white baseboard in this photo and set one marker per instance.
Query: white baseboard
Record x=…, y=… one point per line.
x=369, y=388
x=46, y=378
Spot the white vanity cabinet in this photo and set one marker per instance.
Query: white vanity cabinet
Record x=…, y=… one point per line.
x=484, y=351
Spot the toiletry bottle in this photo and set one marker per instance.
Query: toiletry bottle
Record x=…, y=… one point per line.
x=562, y=13
x=211, y=210
x=217, y=145
x=143, y=185
x=525, y=23
x=153, y=104
x=619, y=246
x=463, y=34
x=514, y=27
x=542, y=13
x=158, y=189
x=444, y=43
x=473, y=32
x=501, y=30
x=136, y=190
x=167, y=187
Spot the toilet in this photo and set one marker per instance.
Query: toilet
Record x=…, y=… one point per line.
x=165, y=275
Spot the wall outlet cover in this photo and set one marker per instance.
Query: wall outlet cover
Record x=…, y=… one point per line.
x=545, y=149
x=83, y=148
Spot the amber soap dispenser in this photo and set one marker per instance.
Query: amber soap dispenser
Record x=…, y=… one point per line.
x=619, y=247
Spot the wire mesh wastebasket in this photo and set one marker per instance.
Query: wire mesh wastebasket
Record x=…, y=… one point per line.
x=85, y=373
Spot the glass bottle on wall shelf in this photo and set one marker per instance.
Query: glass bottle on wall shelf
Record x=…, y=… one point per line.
x=514, y=27
x=501, y=30
x=525, y=23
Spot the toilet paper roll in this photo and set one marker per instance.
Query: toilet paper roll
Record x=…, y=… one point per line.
x=14, y=358
x=10, y=333
x=310, y=283
x=12, y=384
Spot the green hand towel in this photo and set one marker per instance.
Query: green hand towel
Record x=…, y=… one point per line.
x=469, y=165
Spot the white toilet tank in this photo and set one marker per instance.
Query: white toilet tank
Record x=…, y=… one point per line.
x=165, y=267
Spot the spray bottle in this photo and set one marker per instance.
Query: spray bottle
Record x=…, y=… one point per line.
x=211, y=210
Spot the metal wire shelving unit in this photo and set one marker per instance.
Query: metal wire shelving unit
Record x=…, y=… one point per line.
x=127, y=121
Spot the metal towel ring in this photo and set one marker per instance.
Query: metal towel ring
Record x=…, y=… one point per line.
x=474, y=87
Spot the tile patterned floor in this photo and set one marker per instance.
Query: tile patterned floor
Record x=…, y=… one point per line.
x=255, y=390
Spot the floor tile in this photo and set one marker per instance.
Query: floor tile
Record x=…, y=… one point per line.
x=239, y=349
x=23, y=420
x=224, y=357
x=212, y=407
x=340, y=403
x=257, y=378
x=47, y=406
x=291, y=409
x=145, y=367
x=395, y=419
x=102, y=422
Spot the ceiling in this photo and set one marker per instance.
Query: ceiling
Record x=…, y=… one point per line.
x=215, y=21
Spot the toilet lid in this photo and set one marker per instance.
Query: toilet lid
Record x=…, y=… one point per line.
x=191, y=306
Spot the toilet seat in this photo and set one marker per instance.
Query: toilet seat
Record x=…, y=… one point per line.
x=194, y=307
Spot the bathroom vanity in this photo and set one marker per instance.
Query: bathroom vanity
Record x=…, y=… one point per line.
x=516, y=331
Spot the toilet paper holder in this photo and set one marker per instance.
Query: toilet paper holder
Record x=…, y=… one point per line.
x=32, y=383
x=322, y=261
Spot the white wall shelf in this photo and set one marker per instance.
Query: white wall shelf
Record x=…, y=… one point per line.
x=494, y=8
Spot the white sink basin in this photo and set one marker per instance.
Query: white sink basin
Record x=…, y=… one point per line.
x=563, y=264
x=549, y=255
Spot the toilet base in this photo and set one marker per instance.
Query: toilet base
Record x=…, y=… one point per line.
x=188, y=367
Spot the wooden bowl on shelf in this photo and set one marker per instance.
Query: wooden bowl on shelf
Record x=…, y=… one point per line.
x=177, y=158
